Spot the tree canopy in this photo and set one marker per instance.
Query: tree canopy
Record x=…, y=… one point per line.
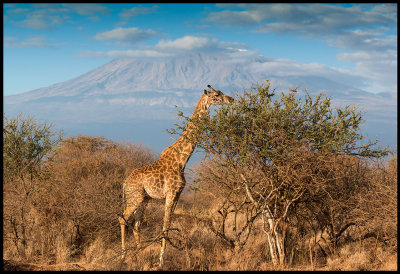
x=276, y=156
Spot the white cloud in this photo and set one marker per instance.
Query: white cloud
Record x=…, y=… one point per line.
x=135, y=11
x=37, y=20
x=379, y=67
x=286, y=67
x=17, y=11
x=375, y=57
x=365, y=40
x=367, y=30
x=167, y=47
x=47, y=16
x=34, y=23
x=125, y=35
x=357, y=27
x=199, y=44
x=30, y=42
x=306, y=19
x=123, y=53
x=184, y=43
x=88, y=9
x=38, y=16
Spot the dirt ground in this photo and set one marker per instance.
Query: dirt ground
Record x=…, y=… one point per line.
x=10, y=265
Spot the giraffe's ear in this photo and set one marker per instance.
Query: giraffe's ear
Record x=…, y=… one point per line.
x=205, y=91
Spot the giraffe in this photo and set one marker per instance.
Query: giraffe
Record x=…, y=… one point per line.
x=164, y=178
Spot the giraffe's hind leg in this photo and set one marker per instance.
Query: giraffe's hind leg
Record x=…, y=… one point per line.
x=138, y=220
x=123, y=223
x=131, y=206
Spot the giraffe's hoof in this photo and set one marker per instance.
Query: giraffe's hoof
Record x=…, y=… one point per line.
x=123, y=254
x=156, y=268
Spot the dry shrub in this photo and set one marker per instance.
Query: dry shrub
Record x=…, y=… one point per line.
x=102, y=255
x=350, y=258
x=85, y=185
x=356, y=203
x=252, y=255
x=376, y=208
x=372, y=245
x=73, y=217
x=353, y=256
x=76, y=199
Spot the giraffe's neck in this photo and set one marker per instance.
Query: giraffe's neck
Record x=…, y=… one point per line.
x=183, y=148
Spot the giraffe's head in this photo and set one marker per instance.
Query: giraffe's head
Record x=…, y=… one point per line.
x=216, y=97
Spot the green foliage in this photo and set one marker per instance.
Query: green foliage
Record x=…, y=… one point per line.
x=257, y=123
x=25, y=144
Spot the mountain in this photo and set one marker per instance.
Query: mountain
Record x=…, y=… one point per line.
x=134, y=99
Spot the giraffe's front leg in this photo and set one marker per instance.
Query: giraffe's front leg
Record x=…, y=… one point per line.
x=170, y=203
x=122, y=223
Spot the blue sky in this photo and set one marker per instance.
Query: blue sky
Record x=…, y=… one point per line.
x=49, y=43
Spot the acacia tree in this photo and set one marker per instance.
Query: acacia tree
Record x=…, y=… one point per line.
x=278, y=154
x=26, y=143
